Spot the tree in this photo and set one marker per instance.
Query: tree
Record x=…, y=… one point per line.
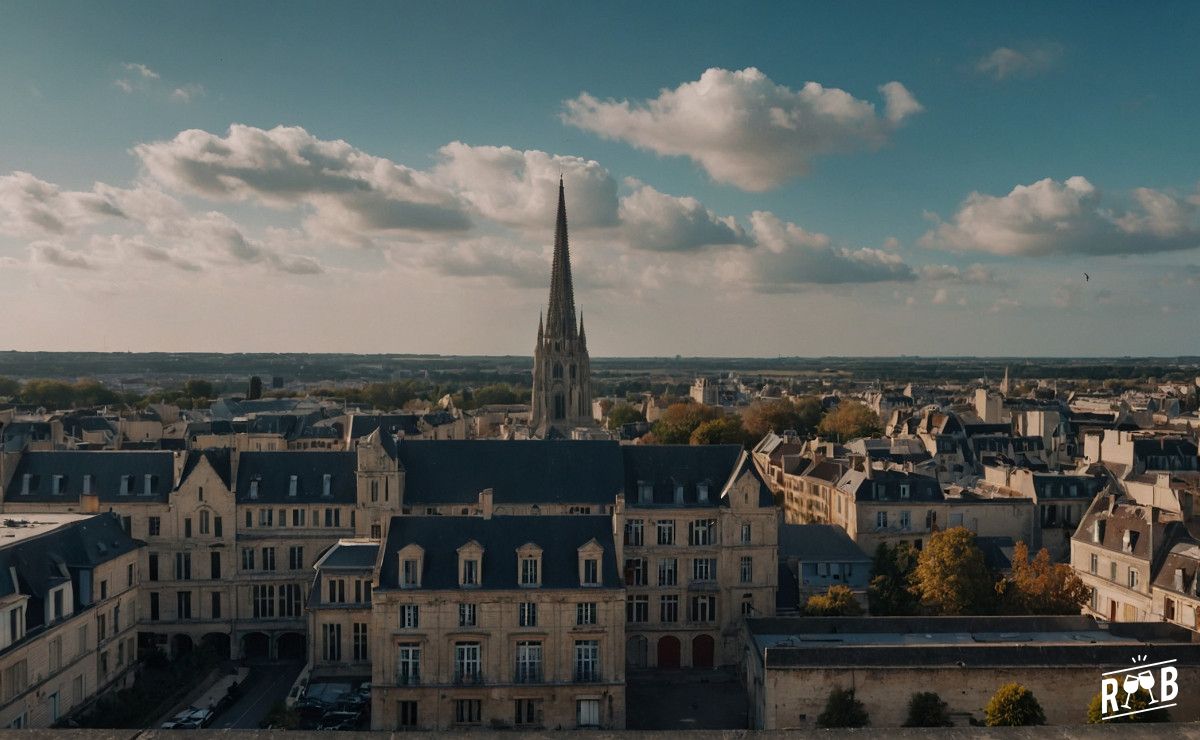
x=726, y=430
x=888, y=594
x=801, y=415
x=9, y=388
x=1013, y=705
x=837, y=601
x=196, y=388
x=624, y=413
x=1140, y=700
x=679, y=420
x=842, y=709
x=951, y=577
x=1041, y=587
x=926, y=709
x=849, y=420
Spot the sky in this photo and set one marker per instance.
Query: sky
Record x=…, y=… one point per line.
x=766, y=179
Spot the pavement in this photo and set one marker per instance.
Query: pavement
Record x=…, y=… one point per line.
x=684, y=700
x=267, y=684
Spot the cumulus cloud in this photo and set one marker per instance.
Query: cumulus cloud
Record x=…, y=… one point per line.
x=1051, y=217
x=786, y=255
x=667, y=223
x=140, y=70
x=30, y=206
x=743, y=128
x=1005, y=62
x=519, y=188
x=352, y=194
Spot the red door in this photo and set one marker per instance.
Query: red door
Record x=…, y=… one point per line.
x=702, y=651
x=668, y=652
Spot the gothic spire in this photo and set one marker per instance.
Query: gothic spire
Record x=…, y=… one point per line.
x=582, y=333
x=560, y=317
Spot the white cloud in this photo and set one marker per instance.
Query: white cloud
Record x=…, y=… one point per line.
x=140, y=70
x=975, y=274
x=353, y=195
x=1005, y=62
x=744, y=129
x=186, y=93
x=57, y=256
x=665, y=223
x=1051, y=217
x=30, y=206
x=520, y=188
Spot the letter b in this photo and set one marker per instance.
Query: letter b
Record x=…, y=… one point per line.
x=1167, y=680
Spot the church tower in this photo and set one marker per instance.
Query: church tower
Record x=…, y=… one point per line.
x=562, y=385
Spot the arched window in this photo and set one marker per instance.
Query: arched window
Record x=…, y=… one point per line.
x=560, y=406
x=557, y=371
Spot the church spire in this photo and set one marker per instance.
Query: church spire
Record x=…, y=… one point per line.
x=560, y=317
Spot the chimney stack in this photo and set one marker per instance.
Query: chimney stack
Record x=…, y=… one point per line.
x=485, y=503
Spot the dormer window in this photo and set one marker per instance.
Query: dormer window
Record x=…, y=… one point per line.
x=904, y=490
x=126, y=482
x=254, y=488
x=702, y=491
x=529, y=565
x=1097, y=531
x=25, y=481
x=293, y=485
x=1127, y=541
x=645, y=492
x=590, y=557
x=679, y=493
x=87, y=483
x=470, y=562
x=56, y=485
x=591, y=572
x=326, y=485
x=147, y=485
x=411, y=566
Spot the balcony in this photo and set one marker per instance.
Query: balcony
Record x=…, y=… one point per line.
x=468, y=677
x=528, y=674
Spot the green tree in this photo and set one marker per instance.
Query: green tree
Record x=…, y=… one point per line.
x=842, y=709
x=1140, y=700
x=849, y=420
x=624, y=413
x=837, y=601
x=196, y=388
x=1041, y=587
x=9, y=388
x=725, y=430
x=926, y=709
x=1013, y=705
x=888, y=594
x=801, y=415
x=951, y=577
x=679, y=420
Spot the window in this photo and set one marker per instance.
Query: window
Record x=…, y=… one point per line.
x=466, y=615
x=154, y=614
x=104, y=588
x=704, y=569
x=470, y=573
x=587, y=660
x=153, y=526
x=16, y=678
x=668, y=609
x=337, y=591
x=247, y=558
x=466, y=663
x=362, y=591
x=376, y=531
x=747, y=605
x=666, y=531
x=668, y=572
x=704, y=608
x=1112, y=571
x=591, y=572
x=249, y=519
x=333, y=517
x=587, y=712
x=263, y=597
x=585, y=613
x=411, y=574
x=56, y=654
x=289, y=599
x=746, y=538
x=16, y=623
x=528, y=712
x=410, y=616
x=374, y=491
x=1133, y=578
x=633, y=532
x=468, y=711
x=529, y=662
x=637, y=609
x=183, y=567
x=635, y=572
x=527, y=614
x=298, y=517
x=881, y=520
x=268, y=558
x=205, y=523
x=183, y=604
x=129, y=576
x=905, y=520
x=645, y=492
x=746, y=570
x=153, y=574
x=700, y=532
x=904, y=490
x=216, y=605
x=408, y=664
x=1093, y=563
x=529, y=572
x=406, y=714
x=266, y=517
x=331, y=641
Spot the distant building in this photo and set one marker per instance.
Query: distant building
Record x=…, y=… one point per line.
x=818, y=556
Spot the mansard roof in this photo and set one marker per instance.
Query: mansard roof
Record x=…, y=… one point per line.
x=274, y=470
x=106, y=468
x=42, y=561
x=559, y=537
x=665, y=467
x=884, y=486
x=349, y=556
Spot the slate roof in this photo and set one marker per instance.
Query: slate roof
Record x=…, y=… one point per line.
x=107, y=467
x=560, y=537
x=818, y=543
x=350, y=556
x=666, y=466
x=220, y=458
x=525, y=471
x=1127, y=517
x=1183, y=556
x=363, y=424
x=884, y=485
x=273, y=471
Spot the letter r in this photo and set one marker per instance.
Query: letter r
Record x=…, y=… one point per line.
x=1108, y=693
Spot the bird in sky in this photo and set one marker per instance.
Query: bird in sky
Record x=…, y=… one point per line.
x=1086, y=277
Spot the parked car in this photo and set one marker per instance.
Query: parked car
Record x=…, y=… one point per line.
x=311, y=708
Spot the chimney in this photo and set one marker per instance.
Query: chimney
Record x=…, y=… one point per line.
x=1179, y=580
x=485, y=503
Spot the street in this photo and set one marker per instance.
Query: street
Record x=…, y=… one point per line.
x=267, y=684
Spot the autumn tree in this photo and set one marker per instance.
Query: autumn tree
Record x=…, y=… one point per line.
x=679, y=420
x=848, y=420
x=837, y=601
x=801, y=415
x=888, y=593
x=843, y=709
x=1013, y=705
x=624, y=413
x=1041, y=587
x=725, y=430
x=951, y=577
x=926, y=709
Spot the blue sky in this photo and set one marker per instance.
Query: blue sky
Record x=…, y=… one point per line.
x=942, y=191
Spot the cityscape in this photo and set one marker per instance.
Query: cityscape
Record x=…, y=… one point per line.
x=469, y=415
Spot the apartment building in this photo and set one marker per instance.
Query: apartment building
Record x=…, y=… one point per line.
x=68, y=610
x=339, y=610
x=506, y=621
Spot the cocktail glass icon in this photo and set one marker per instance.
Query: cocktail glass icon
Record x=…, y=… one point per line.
x=1130, y=683
x=1146, y=680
